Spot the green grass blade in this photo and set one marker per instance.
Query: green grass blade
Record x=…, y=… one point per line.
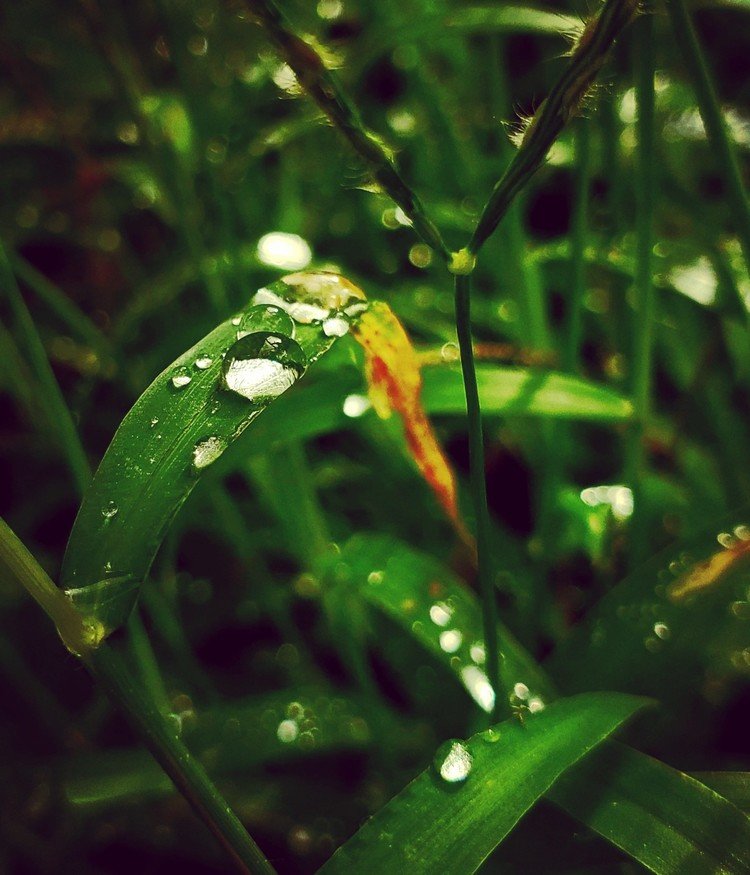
x=513, y=19
x=183, y=421
x=666, y=820
x=734, y=786
x=437, y=824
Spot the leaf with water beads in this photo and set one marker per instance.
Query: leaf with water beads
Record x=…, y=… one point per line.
x=182, y=423
x=451, y=817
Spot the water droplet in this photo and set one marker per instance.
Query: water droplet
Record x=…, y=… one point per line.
x=441, y=613
x=536, y=704
x=262, y=365
x=266, y=317
x=236, y=320
x=742, y=532
x=726, y=540
x=479, y=687
x=375, y=577
x=491, y=735
x=285, y=251
x=207, y=451
x=314, y=296
x=477, y=652
x=661, y=630
x=203, y=362
x=356, y=405
x=521, y=691
x=154, y=421
x=453, y=761
x=741, y=610
x=336, y=326
x=110, y=510
x=450, y=640
x=181, y=377
x=287, y=731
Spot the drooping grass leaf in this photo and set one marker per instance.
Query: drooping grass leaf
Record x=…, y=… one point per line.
x=451, y=817
x=183, y=422
x=668, y=821
x=734, y=786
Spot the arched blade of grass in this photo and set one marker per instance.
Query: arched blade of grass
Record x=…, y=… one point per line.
x=453, y=815
x=183, y=422
x=668, y=821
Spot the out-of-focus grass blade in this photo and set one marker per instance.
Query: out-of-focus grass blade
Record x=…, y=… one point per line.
x=183, y=422
x=681, y=617
x=231, y=738
x=525, y=391
x=734, y=786
x=451, y=817
x=513, y=19
x=433, y=606
x=666, y=820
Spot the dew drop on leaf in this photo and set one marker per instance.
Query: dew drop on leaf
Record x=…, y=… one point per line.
x=266, y=317
x=207, y=451
x=181, y=378
x=262, y=365
x=203, y=362
x=453, y=761
x=110, y=510
x=336, y=326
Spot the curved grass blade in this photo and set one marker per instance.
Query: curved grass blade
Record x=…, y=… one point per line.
x=734, y=786
x=668, y=821
x=451, y=817
x=183, y=422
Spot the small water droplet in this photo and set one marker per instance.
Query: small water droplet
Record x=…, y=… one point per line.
x=203, y=362
x=181, y=377
x=262, y=365
x=536, y=704
x=453, y=761
x=207, y=451
x=356, y=405
x=491, y=735
x=661, y=630
x=154, y=422
x=287, y=731
x=441, y=613
x=521, y=691
x=236, y=320
x=450, y=640
x=266, y=317
x=110, y=510
x=336, y=326
x=479, y=687
x=726, y=540
x=477, y=652
x=741, y=610
x=375, y=577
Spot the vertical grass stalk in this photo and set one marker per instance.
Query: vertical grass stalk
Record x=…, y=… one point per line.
x=479, y=491
x=713, y=121
x=643, y=324
x=578, y=247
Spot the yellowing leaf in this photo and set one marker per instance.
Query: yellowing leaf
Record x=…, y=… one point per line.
x=710, y=572
x=392, y=368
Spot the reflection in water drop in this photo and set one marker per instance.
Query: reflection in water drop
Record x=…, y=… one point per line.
x=181, y=378
x=479, y=687
x=262, y=365
x=453, y=761
x=336, y=326
x=208, y=451
x=203, y=362
x=266, y=317
x=110, y=510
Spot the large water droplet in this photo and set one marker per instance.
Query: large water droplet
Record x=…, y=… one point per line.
x=336, y=326
x=262, y=365
x=453, y=761
x=181, y=377
x=266, y=317
x=110, y=510
x=450, y=640
x=314, y=296
x=207, y=451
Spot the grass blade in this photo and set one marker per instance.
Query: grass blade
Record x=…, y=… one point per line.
x=437, y=824
x=183, y=422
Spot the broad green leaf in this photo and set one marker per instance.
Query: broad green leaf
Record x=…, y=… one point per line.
x=525, y=391
x=183, y=422
x=668, y=821
x=451, y=817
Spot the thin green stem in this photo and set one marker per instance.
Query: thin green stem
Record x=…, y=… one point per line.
x=61, y=422
x=578, y=248
x=146, y=662
x=713, y=121
x=479, y=491
x=107, y=665
x=562, y=103
x=643, y=328
x=324, y=88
